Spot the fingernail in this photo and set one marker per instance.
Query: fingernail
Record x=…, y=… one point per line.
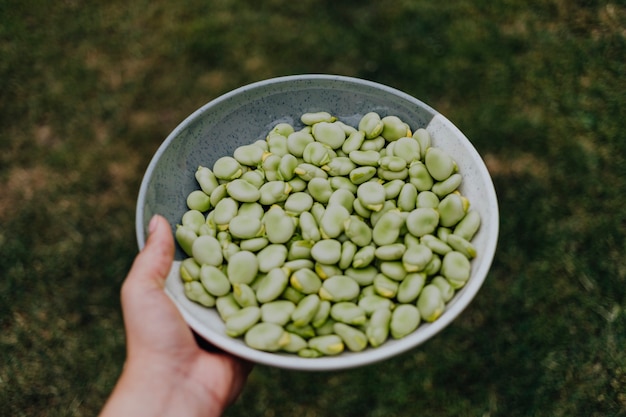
x=154, y=221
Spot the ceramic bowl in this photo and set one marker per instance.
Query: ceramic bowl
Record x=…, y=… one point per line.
x=245, y=115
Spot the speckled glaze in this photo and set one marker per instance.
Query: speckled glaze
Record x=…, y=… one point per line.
x=247, y=114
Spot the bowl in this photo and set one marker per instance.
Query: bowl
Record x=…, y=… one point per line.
x=247, y=114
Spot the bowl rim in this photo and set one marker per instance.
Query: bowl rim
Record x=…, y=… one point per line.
x=350, y=359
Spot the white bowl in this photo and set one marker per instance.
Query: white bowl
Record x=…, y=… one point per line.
x=247, y=114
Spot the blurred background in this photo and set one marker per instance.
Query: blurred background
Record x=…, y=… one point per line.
x=88, y=91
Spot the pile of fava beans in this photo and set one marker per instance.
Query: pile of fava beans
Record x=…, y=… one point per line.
x=328, y=238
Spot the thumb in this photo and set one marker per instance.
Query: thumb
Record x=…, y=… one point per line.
x=153, y=263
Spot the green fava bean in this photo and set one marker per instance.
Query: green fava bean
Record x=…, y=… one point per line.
x=206, y=179
x=330, y=134
x=416, y=258
x=452, y=208
x=333, y=221
x=308, y=227
x=272, y=285
x=243, y=267
x=377, y=330
x=325, y=328
x=243, y=191
x=422, y=221
x=362, y=174
x=322, y=314
x=317, y=153
x=227, y=168
x=374, y=144
x=279, y=226
x=360, y=210
x=348, y=312
x=250, y=155
x=325, y=271
x=327, y=251
x=270, y=165
x=433, y=266
x=341, y=165
x=445, y=187
x=372, y=195
x=422, y=136
x=420, y=177
x=297, y=142
x=410, y=287
x=461, y=245
x=297, y=184
x=390, y=252
x=328, y=345
x=218, y=194
x=358, y=231
x=407, y=199
x=278, y=312
x=240, y=321
x=198, y=200
x=244, y=295
x=392, y=163
x=207, y=250
x=306, y=331
x=354, y=339
x=298, y=202
x=300, y=249
x=389, y=175
x=317, y=117
x=385, y=286
x=363, y=276
x=189, y=270
x=456, y=268
x=296, y=344
x=267, y=337
x=226, y=306
x=305, y=281
x=371, y=303
x=277, y=144
x=339, y=288
x=273, y=192
x=447, y=292
x=393, y=188
x=320, y=189
x=343, y=198
x=196, y=292
x=353, y=142
x=427, y=199
x=387, y=228
x=435, y=244
x=365, y=158
x=364, y=257
x=393, y=269
x=224, y=212
x=308, y=171
x=407, y=149
x=305, y=310
x=193, y=219
x=272, y=256
x=283, y=128
x=214, y=280
x=371, y=125
x=310, y=353
x=404, y=320
x=292, y=295
x=430, y=303
x=185, y=237
x=393, y=128
x=468, y=225
x=245, y=227
x=439, y=164
x=348, y=250
x=254, y=244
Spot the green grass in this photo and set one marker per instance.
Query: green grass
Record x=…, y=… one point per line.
x=89, y=91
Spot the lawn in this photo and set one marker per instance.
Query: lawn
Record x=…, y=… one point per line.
x=89, y=91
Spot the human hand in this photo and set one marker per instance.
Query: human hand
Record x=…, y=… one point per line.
x=166, y=371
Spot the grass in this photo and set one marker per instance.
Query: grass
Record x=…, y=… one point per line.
x=88, y=92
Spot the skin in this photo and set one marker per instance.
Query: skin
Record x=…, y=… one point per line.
x=169, y=371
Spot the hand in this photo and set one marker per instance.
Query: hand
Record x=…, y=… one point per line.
x=166, y=371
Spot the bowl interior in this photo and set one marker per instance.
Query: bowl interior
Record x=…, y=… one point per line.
x=247, y=114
